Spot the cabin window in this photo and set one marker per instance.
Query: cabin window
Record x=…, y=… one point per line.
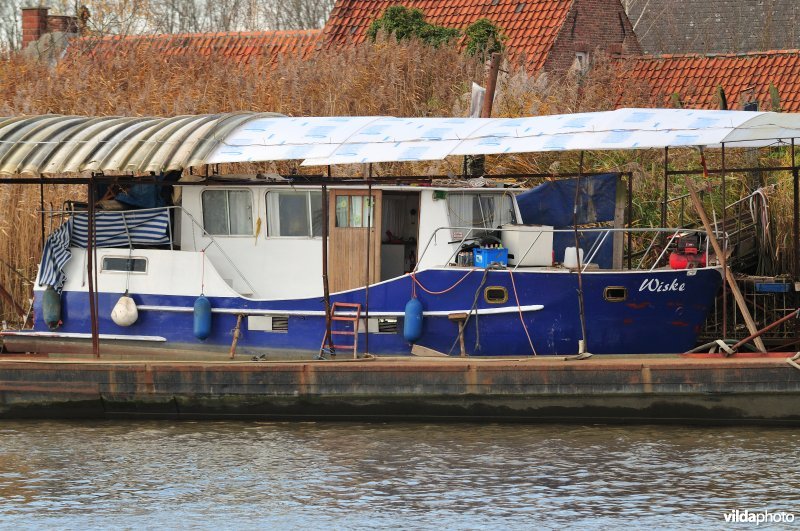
x=482, y=211
x=355, y=211
x=294, y=214
x=125, y=264
x=228, y=212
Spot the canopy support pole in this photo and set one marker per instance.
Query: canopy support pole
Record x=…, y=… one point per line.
x=724, y=258
x=370, y=223
x=582, y=349
x=796, y=232
x=666, y=198
x=90, y=266
x=325, y=289
x=41, y=207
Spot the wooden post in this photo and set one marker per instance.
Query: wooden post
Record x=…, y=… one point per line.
x=326, y=294
x=491, y=85
x=748, y=319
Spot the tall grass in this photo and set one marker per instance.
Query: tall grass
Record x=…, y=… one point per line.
x=385, y=78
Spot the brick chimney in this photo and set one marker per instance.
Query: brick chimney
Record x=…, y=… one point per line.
x=34, y=24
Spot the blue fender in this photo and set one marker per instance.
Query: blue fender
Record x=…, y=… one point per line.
x=51, y=308
x=412, y=324
x=202, y=318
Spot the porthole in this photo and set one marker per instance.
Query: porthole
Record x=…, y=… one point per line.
x=495, y=295
x=615, y=293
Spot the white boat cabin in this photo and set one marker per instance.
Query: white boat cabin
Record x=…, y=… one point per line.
x=269, y=238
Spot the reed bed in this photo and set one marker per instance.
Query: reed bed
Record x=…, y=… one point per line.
x=384, y=78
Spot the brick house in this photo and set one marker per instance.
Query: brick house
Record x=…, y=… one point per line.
x=549, y=35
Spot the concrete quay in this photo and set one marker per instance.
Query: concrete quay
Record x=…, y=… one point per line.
x=609, y=389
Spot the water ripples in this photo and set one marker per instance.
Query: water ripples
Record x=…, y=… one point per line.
x=453, y=476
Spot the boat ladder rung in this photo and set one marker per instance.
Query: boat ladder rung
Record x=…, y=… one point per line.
x=352, y=308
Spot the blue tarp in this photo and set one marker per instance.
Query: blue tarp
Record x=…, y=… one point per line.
x=552, y=203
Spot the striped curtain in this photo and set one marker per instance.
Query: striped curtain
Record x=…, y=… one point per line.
x=113, y=229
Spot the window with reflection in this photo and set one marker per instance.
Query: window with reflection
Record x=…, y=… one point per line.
x=228, y=212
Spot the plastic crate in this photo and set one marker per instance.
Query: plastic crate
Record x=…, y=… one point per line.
x=485, y=257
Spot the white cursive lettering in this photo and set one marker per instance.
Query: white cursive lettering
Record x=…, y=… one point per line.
x=658, y=286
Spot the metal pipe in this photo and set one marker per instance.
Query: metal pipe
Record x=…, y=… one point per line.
x=326, y=297
x=630, y=220
x=796, y=230
x=370, y=206
x=666, y=190
x=41, y=207
x=582, y=348
x=766, y=329
x=723, y=259
x=90, y=266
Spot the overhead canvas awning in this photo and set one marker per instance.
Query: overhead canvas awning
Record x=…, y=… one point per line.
x=60, y=144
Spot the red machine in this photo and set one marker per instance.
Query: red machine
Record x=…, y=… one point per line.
x=688, y=254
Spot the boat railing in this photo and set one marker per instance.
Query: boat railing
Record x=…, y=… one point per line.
x=178, y=208
x=665, y=235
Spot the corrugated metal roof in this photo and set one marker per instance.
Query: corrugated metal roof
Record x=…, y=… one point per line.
x=72, y=144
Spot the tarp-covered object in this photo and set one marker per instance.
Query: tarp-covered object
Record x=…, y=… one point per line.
x=552, y=203
x=113, y=229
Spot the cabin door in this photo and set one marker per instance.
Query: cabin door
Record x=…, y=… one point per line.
x=353, y=216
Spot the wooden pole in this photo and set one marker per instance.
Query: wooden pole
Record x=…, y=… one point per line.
x=491, y=85
x=748, y=319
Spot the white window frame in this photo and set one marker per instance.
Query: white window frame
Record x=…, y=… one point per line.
x=309, y=209
x=228, y=212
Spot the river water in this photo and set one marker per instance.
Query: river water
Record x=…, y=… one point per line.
x=356, y=476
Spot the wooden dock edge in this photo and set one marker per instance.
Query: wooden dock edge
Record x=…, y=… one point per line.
x=630, y=390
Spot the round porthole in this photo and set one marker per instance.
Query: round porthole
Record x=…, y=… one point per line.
x=495, y=295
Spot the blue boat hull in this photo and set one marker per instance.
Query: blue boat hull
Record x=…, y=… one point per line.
x=662, y=311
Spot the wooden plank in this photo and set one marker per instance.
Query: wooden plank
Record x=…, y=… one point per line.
x=618, y=254
x=748, y=319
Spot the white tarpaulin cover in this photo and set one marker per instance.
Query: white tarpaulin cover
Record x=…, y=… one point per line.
x=64, y=144
x=321, y=141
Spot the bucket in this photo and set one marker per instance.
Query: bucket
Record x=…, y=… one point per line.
x=571, y=258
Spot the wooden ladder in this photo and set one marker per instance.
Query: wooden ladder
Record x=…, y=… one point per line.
x=354, y=308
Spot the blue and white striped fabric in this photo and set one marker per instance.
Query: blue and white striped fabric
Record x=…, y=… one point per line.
x=113, y=229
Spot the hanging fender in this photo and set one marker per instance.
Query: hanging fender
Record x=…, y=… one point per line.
x=202, y=318
x=51, y=308
x=125, y=312
x=412, y=322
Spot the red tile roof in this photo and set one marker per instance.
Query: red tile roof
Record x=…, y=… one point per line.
x=744, y=77
x=239, y=47
x=530, y=26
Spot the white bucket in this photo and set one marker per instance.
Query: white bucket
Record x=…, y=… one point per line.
x=571, y=258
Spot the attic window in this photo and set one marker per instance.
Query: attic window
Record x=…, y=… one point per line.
x=495, y=2
x=519, y=7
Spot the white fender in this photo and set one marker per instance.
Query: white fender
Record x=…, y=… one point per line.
x=125, y=312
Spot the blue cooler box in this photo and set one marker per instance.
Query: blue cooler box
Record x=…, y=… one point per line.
x=485, y=257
